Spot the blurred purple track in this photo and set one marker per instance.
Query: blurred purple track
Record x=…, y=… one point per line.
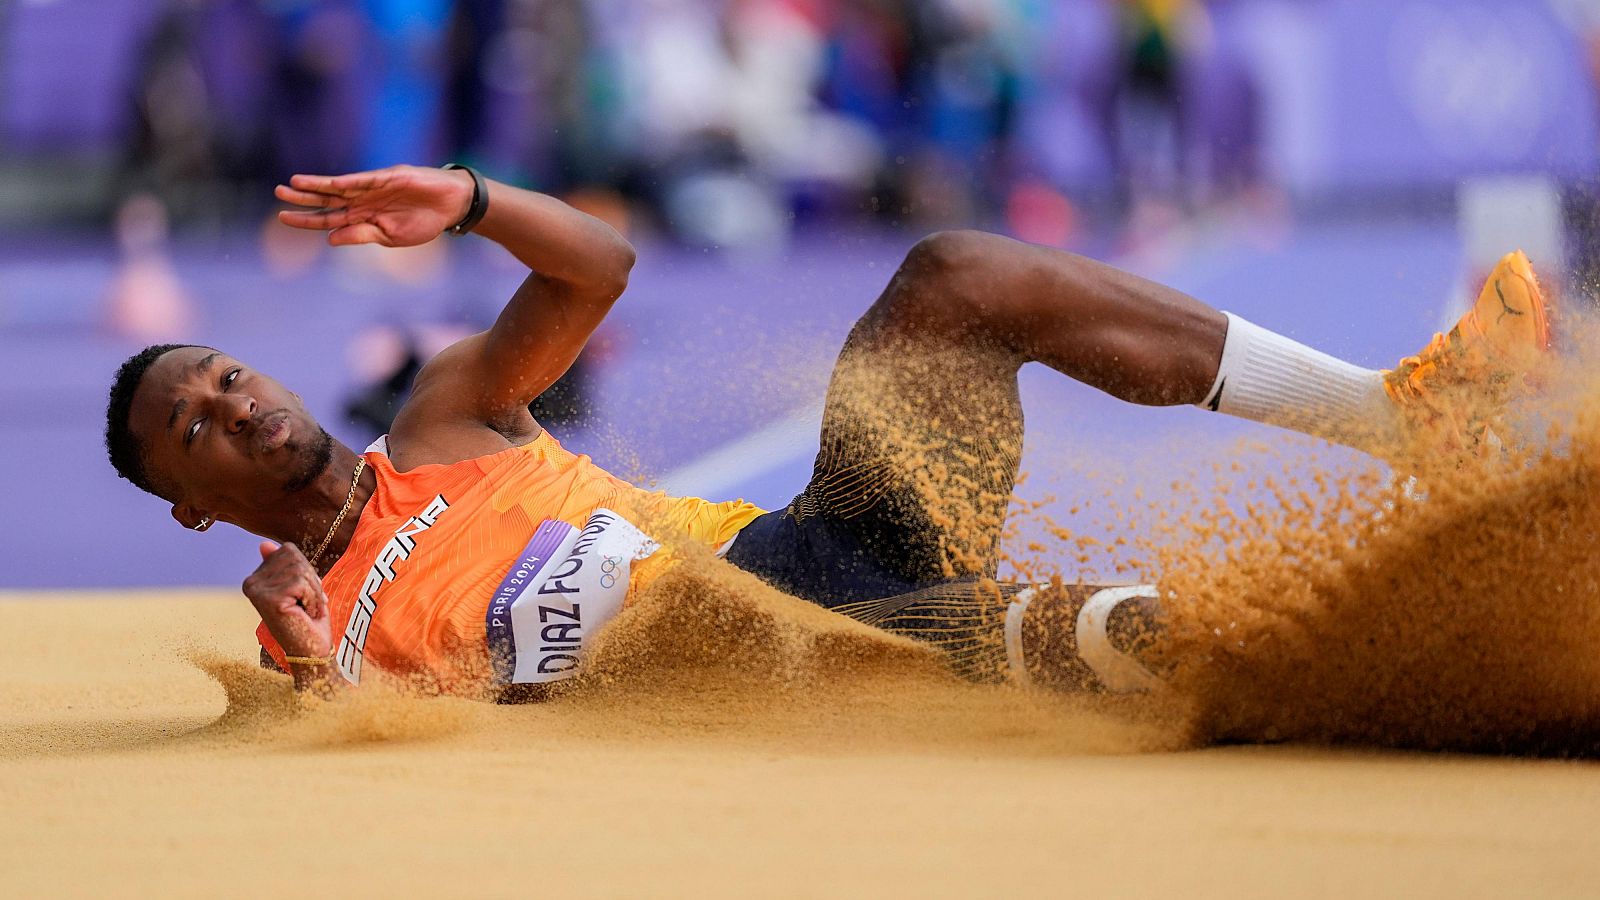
x=709, y=353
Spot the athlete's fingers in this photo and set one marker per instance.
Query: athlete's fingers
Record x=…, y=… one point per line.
x=267, y=548
x=292, y=592
x=306, y=198
x=316, y=605
x=316, y=184
x=359, y=233
x=305, y=592
x=295, y=218
x=338, y=185
x=316, y=219
x=355, y=182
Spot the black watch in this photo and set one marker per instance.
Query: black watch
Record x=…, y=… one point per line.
x=480, y=200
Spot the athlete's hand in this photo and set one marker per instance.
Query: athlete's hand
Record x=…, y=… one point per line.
x=401, y=206
x=287, y=592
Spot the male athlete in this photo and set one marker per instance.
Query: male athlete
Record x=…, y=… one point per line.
x=469, y=548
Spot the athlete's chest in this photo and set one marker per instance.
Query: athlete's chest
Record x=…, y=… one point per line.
x=414, y=582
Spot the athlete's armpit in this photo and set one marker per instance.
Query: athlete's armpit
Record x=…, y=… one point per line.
x=579, y=266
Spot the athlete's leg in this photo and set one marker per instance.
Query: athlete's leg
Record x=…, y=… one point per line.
x=922, y=430
x=921, y=437
x=1138, y=340
x=1130, y=337
x=1147, y=343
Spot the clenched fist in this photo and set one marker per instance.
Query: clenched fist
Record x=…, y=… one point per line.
x=287, y=592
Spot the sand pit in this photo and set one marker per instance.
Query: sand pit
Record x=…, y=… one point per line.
x=729, y=740
x=116, y=776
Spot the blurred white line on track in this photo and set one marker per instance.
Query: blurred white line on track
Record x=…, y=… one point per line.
x=721, y=472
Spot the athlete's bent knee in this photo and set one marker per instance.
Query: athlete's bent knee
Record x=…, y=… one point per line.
x=946, y=253
x=944, y=278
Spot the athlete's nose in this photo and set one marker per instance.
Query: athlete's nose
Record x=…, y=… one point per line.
x=237, y=411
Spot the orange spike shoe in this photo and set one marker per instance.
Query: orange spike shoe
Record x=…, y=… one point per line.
x=1462, y=378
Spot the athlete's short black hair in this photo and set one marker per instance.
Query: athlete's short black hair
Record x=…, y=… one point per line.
x=127, y=457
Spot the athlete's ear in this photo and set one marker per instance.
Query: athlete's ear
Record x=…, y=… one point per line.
x=192, y=518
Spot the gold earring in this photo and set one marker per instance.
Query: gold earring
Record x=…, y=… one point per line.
x=204, y=523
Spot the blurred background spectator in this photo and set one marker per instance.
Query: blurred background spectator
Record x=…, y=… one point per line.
x=728, y=123
x=1288, y=158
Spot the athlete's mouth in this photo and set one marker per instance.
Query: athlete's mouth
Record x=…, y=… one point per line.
x=273, y=432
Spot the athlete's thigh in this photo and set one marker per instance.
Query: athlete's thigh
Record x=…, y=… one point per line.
x=921, y=436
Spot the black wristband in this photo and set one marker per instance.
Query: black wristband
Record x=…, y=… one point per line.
x=480, y=201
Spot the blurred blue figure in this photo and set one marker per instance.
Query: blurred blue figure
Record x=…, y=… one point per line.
x=964, y=83
x=227, y=94
x=865, y=53
x=318, y=93
x=534, y=92
x=405, y=114
x=1225, y=107
x=1150, y=126
x=938, y=82
x=1065, y=119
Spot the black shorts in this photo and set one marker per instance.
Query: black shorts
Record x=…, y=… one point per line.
x=868, y=539
x=900, y=524
x=967, y=618
x=821, y=559
x=869, y=525
x=817, y=559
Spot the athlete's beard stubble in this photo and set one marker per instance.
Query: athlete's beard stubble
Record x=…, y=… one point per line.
x=314, y=458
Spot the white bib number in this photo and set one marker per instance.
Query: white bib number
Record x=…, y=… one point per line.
x=568, y=583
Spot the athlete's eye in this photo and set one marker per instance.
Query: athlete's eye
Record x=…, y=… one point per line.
x=230, y=378
x=194, y=429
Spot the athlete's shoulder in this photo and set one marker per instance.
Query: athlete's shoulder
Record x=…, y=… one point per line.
x=416, y=441
x=444, y=420
x=420, y=475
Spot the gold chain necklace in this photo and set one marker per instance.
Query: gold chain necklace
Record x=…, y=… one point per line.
x=349, y=498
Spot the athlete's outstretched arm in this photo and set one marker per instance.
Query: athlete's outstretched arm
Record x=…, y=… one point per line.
x=579, y=268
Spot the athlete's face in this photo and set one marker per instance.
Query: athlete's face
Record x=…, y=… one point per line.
x=227, y=442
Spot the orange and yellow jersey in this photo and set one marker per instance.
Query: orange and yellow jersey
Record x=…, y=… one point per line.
x=412, y=592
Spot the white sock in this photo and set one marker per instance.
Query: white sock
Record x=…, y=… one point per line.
x=1266, y=377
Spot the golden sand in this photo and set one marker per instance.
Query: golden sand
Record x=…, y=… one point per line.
x=729, y=740
x=1459, y=611
x=127, y=769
